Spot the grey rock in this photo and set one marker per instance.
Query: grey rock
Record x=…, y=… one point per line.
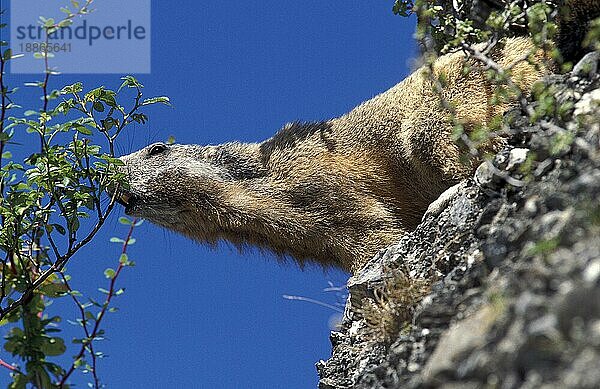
x=484, y=175
x=589, y=103
x=461, y=338
x=588, y=65
x=514, y=265
x=516, y=157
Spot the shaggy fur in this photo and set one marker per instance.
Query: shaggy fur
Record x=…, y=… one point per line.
x=332, y=192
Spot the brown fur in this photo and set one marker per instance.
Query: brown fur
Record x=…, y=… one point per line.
x=335, y=192
x=332, y=192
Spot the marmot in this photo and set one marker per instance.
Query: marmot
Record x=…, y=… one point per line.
x=332, y=192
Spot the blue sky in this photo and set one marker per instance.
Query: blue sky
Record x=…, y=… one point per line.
x=197, y=317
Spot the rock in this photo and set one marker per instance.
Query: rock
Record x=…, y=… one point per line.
x=592, y=271
x=589, y=103
x=461, y=338
x=513, y=262
x=516, y=157
x=484, y=175
x=441, y=203
x=588, y=65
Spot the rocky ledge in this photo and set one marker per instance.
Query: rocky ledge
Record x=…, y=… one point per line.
x=499, y=286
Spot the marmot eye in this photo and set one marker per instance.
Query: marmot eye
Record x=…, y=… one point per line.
x=157, y=149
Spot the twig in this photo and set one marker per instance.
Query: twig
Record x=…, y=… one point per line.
x=491, y=64
x=59, y=264
x=94, y=333
x=84, y=322
x=313, y=301
x=3, y=109
x=9, y=367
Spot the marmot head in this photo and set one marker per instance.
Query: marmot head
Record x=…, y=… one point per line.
x=171, y=185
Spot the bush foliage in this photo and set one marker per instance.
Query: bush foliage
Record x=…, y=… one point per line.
x=53, y=203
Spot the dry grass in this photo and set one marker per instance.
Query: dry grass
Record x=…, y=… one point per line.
x=392, y=307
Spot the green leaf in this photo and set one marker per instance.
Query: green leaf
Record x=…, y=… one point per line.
x=139, y=118
x=124, y=258
x=53, y=346
x=47, y=22
x=15, y=56
x=108, y=97
x=98, y=106
x=84, y=130
x=131, y=241
x=71, y=89
x=114, y=239
x=109, y=273
x=109, y=123
x=54, y=289
x=90, y=316
x=157, y=100
x=124, y=220
x=130, y=82
x=20, y=382
x=65, y=23
x=61, y=230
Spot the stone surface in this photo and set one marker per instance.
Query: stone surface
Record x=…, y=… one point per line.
x=513, y=259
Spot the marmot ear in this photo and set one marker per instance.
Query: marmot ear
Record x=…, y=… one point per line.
x=157, y=149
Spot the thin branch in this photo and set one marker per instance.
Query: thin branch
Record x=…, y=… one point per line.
x=313, y=301
x=59, y=264
x=491, y=64
x=84, y=324
x=9, y=366
x=111, y=293
x=3, y=109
